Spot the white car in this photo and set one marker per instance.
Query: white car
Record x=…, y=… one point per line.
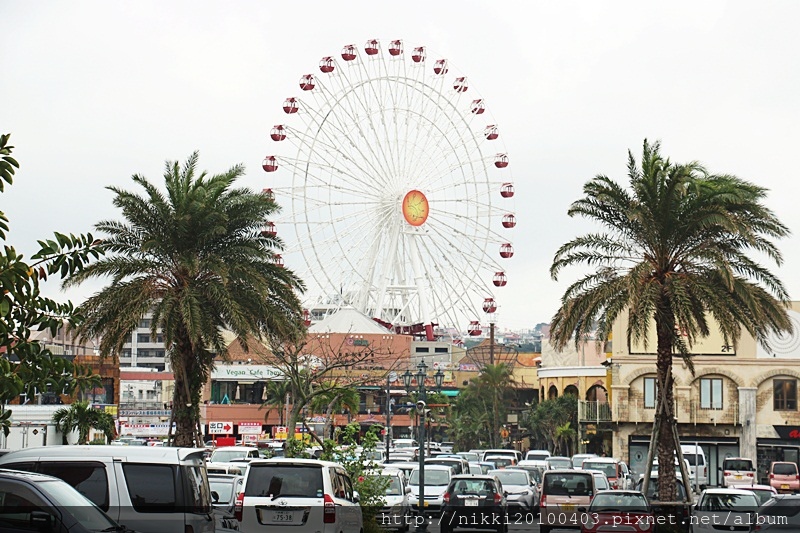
x=231, y=460
x=396, y=511
x=723, y=510
x=298, y=494
x=437, y=478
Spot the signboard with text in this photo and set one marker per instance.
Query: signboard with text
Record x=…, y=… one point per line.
x=246, y=373
x=249, y=428
x=220, y=428
x=145, y=430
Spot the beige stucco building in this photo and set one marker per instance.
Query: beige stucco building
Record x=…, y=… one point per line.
x=741, y=400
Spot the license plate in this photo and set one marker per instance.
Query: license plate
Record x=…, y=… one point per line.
x=568, y=507
x=784, y=487
x=282, y=517
x=738, y=477
x=471, y=503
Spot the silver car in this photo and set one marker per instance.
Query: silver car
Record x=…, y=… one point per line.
x=519, y=487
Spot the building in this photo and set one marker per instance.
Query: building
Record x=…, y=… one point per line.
x=740, y=401
x=143, y=349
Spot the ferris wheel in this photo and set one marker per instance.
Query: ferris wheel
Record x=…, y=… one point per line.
x=396, y=195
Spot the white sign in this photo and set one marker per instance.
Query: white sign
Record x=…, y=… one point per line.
x=249, y=428
x=220, y=428
x=246, y=373
x=145, y=430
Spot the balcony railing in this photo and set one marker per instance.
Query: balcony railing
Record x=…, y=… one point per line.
x=594, y=411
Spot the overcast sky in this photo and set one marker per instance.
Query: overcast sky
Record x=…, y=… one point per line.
x=93, y=92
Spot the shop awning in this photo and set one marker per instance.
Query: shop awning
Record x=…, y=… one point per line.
x=450, y=393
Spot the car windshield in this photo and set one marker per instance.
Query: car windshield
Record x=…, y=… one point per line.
x=374, y=455
x=226, y=456
x=469, y=456
x=737, y=464
x=724, y=502
x=84, y=511
x=568, y=484
x=652, y=489
x=601, y=482
x=273, y=480
x=784, y=469
x=609, y=469
x=432, y=477
x=509, y=477
x=500, y=461
x=626, y=502
x=559, y=463
x=394, y=488
x=532, y=456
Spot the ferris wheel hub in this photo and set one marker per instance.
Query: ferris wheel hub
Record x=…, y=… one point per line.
x=415, y=207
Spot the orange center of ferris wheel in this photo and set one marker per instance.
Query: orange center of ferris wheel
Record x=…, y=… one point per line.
x=415, y=208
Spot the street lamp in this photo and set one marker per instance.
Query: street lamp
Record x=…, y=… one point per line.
x=422, y=373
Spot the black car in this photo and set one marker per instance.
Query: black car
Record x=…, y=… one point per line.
x=781, y=513
x=474, y=502
x=35, y=502
x=681, y=511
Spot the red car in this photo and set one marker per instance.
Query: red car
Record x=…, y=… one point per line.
x=618, y=510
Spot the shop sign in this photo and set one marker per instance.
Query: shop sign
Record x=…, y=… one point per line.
x=249, y=428
x=788, y=432
x=246, y=372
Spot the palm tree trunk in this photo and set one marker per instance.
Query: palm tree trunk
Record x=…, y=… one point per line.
x=186, y=397
x=665, y=325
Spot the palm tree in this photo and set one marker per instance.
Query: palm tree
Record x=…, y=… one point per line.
x=200, y=260
x=81, y=417
x=275, y=398
x=494, y=390
x=335, y=400
x=563, y=437
x=675, y=253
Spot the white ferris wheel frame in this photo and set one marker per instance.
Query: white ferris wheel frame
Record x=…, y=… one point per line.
x=371, y=130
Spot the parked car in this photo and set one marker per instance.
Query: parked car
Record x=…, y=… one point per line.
x=578, y=459
x=477, y=469
x=601, y=481
x=520, y=489
x=437, y=478
x=618, y=510
x=396, y=511
x=36, y=502
x=537, y=455
x=224, y=488
x=558, y=463
x=763, y=493
x=563, y=492
x=697, y=462
x=531, y=467
x=447, y=446
x=459, y=464
x=145, y=488
x=316, y=495
x=723, y=509
x=500, y=461
x=231, y=459
x=778, y=514
x=616, y=471
x=470, y=456
x=474, y=502
x=680, y=509
x=738, y=471
x=783, y=476
x=512, y=453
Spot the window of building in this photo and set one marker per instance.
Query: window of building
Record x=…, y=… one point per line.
x=422, y=349
x=143, y=353
x=650, y=393
x=143, y=337
x=126, y=353
x=145, y=323
x=160, y=338
x=159, y=353
x=785, y=397
x=711, y=393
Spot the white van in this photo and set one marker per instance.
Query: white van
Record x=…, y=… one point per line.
x=302, y=494
x=696, y=457
x=145, y=488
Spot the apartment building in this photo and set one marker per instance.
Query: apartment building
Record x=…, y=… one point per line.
x=143, y=349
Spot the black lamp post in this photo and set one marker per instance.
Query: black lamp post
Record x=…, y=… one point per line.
x=422, y=373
